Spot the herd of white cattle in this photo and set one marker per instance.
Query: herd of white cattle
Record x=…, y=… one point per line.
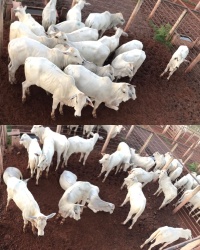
x=79, y=193
x=80, y=51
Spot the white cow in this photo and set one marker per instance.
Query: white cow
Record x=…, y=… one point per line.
x=19, y=29
x=61, y=144
x=145, y=162
x=120, y=156
x=177, y=58
x=78, y=144
x=67, y=26
x=75, y=12
x=49, y=77
x=67, y=179
x=49, y=14
x=166, y=186
x=134, y=44
x=106, y=70
x=17, y=191
x=69, y=203
x=29, y=47
x=34, y=150
x=104, y=21
x=95, y=203
x=11, y=172
x=132, y=59
x=28, y=20
x=115, y=131
x=137, y=202
x=92, y=51
x=101, y=89
x=112, y=42
x=167, y=235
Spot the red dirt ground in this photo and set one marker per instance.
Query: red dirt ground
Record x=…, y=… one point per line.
x=158, y=101
x=100, y=231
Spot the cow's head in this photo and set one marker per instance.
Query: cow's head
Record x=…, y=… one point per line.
x=74, y=56
x=40, y=222
x=79, y=101
x=24, y=138
x=119, y=18
x=42, y=162
x=36, y=129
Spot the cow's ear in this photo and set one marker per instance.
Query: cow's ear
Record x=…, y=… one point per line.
x=50, y=216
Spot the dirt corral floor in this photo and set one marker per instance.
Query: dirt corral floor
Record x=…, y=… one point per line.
x=93, y=231
x=158, y=101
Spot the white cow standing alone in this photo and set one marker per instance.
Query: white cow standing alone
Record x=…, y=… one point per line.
x=177, y=58
x=19, y=193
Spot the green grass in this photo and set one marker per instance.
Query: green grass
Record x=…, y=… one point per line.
x=193, y=166
x=9, y=128
x=160, y=33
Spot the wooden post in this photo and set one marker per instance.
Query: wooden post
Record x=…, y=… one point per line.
x=130, y=131
x=1, y=27
x=189, y=243
x=178, y=22
x=133, y=15
x=165, y=129
x=107, y=139
x=146, y=143
x=188, y=150
x=193, y=63
x=58, y=128
x=188, y=158
x=165, y=167
x=188, y=197
x=174, y=147
x=189, y=138
x=168, y=163
x=197, y=6
x=154, y=9
x=177, y=136
x=73, y=3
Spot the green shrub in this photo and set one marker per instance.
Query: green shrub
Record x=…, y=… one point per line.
x=160, y=33
x=193, y=166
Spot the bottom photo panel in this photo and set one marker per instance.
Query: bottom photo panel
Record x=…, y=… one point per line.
x=100, y=187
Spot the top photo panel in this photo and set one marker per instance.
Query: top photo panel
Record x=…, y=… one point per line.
x=104, y=62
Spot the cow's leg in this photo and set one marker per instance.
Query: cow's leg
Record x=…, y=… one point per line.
x=85, y=157
x=58, y=159
x=81, y=157
x=11, y=71
x=25, y=86
x=25, y=224
x=165, y=71
x=171, y=73
x=33, y=227
x=130, y=214
x=54, y=106
x=125, y=201
x=8, y=201
x=38, y=175
x=106, y=175
x=61, y=108
x=96, y=105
